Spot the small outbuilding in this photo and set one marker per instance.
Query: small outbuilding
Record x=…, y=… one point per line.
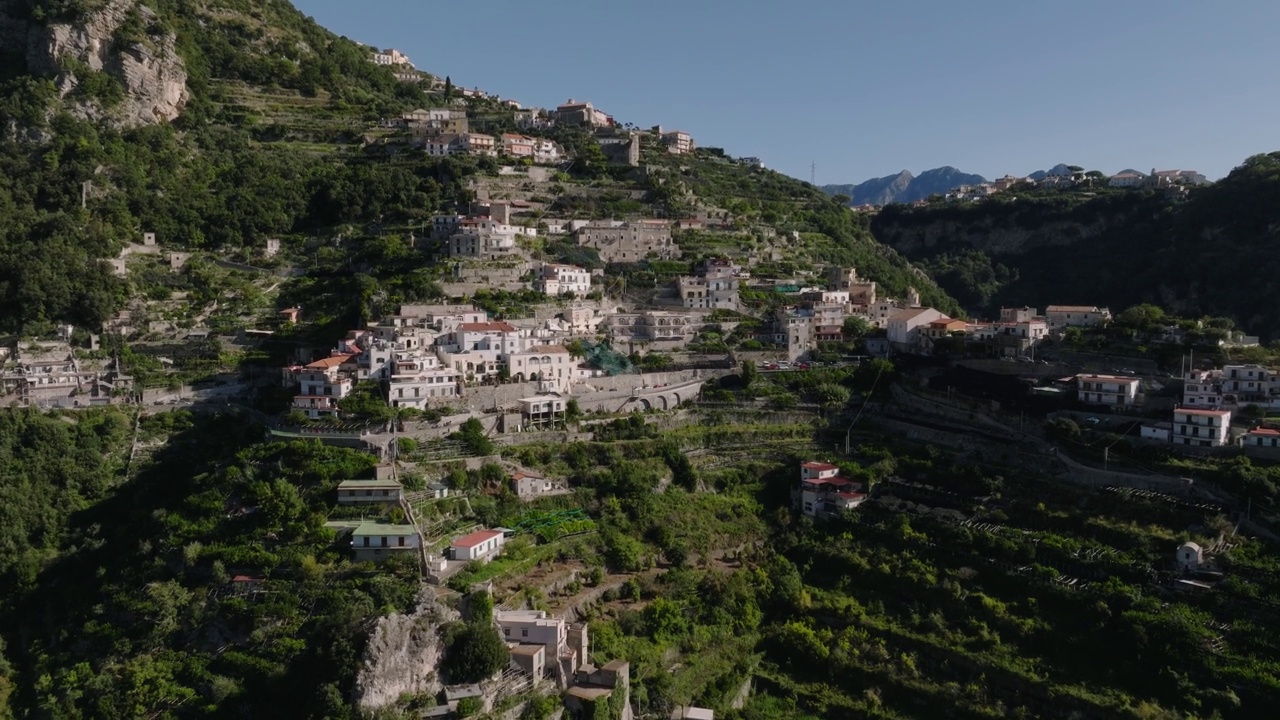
x=1190, y=557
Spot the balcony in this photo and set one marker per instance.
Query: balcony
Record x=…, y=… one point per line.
x=321, y=403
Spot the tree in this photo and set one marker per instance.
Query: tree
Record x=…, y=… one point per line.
x=448, y=88
x=480, y=606
x=854, y=327
x=832, y=394
x=749, y=373
x=1142, y=317
x=471, y=433
x=475, y=652
x=1073, y=336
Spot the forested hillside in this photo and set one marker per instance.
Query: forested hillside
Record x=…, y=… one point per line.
x=1209, y=254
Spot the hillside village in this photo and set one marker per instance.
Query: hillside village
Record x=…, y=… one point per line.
x=599, y=372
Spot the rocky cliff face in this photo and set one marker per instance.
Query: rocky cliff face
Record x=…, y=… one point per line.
x=122, y=39
x=403, y=654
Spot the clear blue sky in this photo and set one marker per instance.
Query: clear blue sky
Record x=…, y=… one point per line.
x=868, y=89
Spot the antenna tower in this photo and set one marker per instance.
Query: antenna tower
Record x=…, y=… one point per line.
x=813, y=173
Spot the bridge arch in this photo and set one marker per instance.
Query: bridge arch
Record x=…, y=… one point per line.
x=644, y=403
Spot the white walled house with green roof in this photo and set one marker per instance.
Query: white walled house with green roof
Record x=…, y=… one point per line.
x=356, y=492
x=378, y=541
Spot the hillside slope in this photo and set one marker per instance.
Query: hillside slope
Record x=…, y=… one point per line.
x=1211, y=254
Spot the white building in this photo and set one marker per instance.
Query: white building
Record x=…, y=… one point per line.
x=1202, y=388
x=542, y=409
x=678, y=142
x=1159, y=432
x=823, y=491
x=547, y=151
x=1126, y=179
x=391, y=57
x=1248, y=384
x=417, y=380
x=1261, y=437
x=485, y=238
x=1112, y=390
x=442, y=145
x=322, y=384
x=379, y=541
x=479, y=545
x=1063, y=316
x=533, y=627
x=708, y=293
x=549, y=363
x=1201, y=427
x=904, y=325
x=556, y=280
x=530, y=485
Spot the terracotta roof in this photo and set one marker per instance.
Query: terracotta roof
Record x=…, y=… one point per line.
x=837, y=481
x=520, y=475
x=331, y=361
x=819, y=466
x=476, y=538
x=487, y=327
x=1264, y=431
x=1109, y=378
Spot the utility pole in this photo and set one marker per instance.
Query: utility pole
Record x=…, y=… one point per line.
x=813, y=173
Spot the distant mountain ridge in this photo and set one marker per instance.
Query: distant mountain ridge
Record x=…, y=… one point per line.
x=1055, y=171
x=904, y=187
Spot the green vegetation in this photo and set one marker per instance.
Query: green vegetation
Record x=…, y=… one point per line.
x=133, y=573
x=1011, y=252
x=473, y=650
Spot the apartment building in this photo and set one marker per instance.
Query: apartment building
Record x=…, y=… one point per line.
x=1201, y=427
x=556, y=280
x=1064, y=316
x=630, y=241
x=1110, y=390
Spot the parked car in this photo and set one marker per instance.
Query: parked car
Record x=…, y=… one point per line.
x=1092, y=420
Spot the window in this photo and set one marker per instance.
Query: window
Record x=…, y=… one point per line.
x=401, y=539
x=524, y=632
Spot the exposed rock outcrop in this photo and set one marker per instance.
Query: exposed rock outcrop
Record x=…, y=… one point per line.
x=403, y=654
x=123, y=39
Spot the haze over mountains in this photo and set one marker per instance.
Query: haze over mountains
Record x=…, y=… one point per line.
x=905, y=187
